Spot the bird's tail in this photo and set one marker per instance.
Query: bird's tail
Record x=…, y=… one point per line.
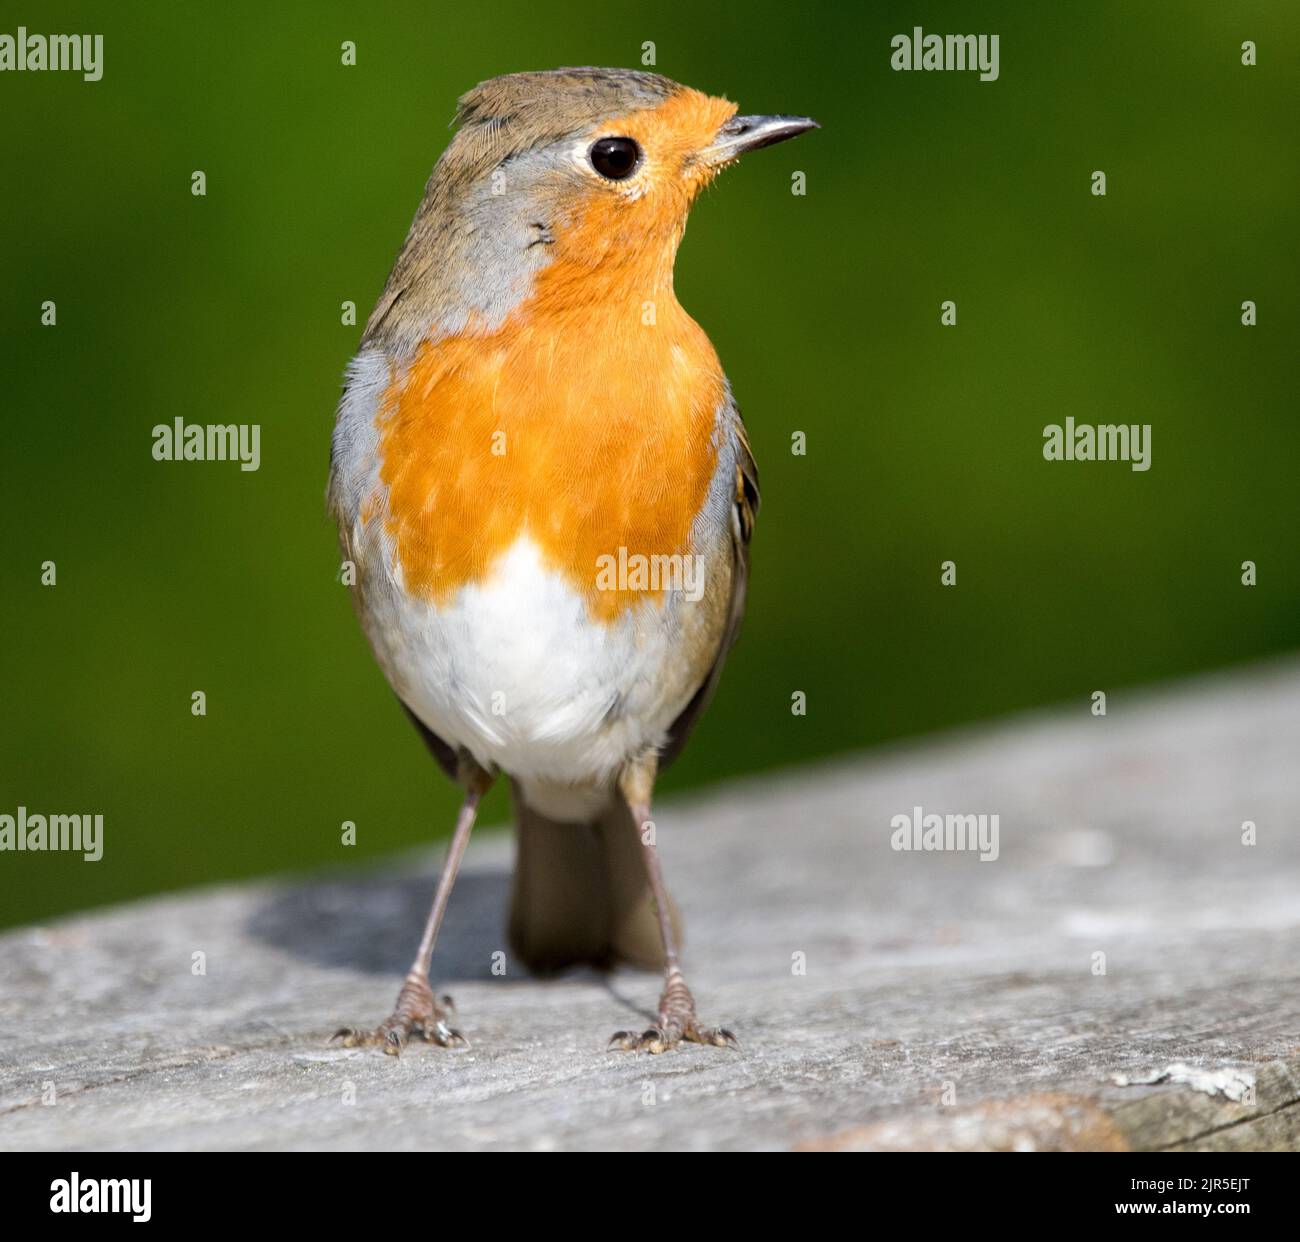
x=580, y=893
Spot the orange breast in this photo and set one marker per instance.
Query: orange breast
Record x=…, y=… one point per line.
x=577, y=424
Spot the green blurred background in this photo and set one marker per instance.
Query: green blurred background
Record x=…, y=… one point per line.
x=924, y=442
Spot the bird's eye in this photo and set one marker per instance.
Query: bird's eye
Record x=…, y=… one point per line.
x=615, y=158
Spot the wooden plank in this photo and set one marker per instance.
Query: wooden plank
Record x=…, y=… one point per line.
x=885, y=999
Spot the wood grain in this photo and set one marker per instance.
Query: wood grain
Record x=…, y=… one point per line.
x=947, y=1002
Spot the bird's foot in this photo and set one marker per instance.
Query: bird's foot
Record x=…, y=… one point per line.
x=675, y=1023
x=417, y=1012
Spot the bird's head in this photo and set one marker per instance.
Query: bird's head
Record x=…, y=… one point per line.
x=576, y=170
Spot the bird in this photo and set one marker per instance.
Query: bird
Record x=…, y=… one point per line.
x=547, y=494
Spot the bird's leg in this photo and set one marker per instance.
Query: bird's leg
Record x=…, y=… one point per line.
x=417, y=1009
x=676, y=1020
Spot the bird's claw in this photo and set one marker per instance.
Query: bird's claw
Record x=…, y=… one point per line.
x=666, y=1035
x=416, y=1013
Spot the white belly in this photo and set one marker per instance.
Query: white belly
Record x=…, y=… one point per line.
x=515, y=670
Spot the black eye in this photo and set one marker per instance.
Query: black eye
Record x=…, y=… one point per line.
x=615, y=158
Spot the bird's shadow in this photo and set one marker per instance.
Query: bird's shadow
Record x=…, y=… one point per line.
x=372, y=923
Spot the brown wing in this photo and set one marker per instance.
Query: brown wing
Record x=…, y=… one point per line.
x=743, y=513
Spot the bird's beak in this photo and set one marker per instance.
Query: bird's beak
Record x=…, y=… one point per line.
x=748, y=133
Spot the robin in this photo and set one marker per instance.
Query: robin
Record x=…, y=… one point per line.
x=547, y=492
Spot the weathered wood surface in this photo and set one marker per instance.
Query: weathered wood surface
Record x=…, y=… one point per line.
x=947, y=1002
